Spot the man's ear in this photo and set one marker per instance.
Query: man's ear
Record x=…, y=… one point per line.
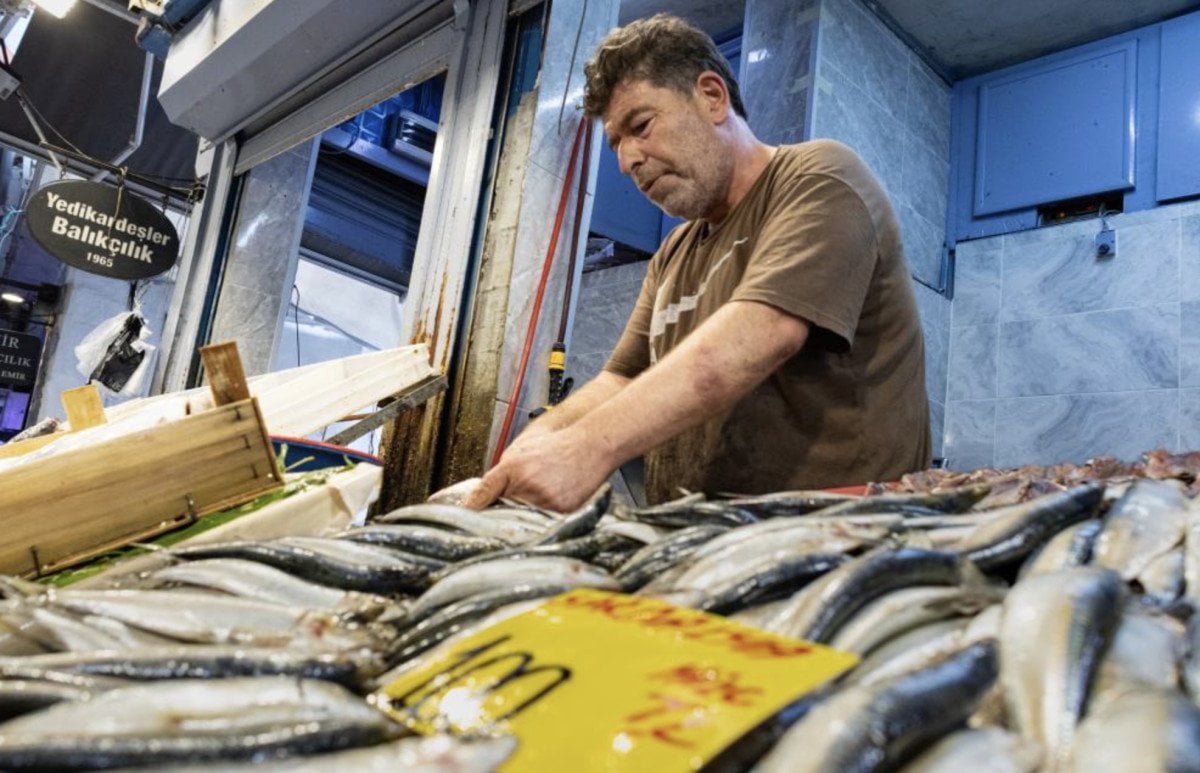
x=714, y=95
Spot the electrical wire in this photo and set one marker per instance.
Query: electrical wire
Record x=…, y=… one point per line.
x=296, y=290
x=571, y=68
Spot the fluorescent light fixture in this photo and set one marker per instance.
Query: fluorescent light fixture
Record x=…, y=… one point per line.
x=12, y=298
x=56, y=8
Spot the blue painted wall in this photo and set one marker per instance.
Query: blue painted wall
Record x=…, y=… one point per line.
x=1079, y=122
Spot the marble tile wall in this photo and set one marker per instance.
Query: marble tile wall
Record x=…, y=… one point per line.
x=263, y=254
x=1058, y=356
x=778, y=40
x=606, y=299
x=878, y=97
x=558, y=100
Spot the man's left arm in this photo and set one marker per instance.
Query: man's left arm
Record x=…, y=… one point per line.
x=724, y=358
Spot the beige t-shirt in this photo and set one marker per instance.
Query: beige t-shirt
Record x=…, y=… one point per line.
x=816, y=237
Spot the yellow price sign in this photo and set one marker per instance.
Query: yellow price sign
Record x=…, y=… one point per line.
x=597, y=681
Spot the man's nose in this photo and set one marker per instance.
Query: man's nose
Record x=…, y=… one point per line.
x=629, y=157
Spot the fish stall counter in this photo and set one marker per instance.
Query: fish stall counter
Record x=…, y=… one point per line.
x=1018, y=620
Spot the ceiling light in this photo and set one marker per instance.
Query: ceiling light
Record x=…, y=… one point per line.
x=56, y=8
x=12, y=298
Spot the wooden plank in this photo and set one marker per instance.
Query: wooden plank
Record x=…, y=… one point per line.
x=72, y=505
x=401, y=401
x=297, y=409
x=22, y=447
x=83, y=407
x=226, y=378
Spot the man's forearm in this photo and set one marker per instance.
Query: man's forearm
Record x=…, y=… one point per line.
x=581, y=402
x=716, y=365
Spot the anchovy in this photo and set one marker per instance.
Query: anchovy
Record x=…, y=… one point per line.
x=879, y=727
x=990, y=749
x=392, y=578
x=640, y=532
x=453, y=618
x=1149, y=520
x=654, y=558
x=856, y=583
x=767, y=580
x=424, y=540
x=1053, y=634
x=199, y=662
x=191, y=721
x=207, y=618
x=250, y=579
x=500, y=574
x=1145, y=653
x=908, y=608
x=692, y=514
x=358, y=552
x=504, y=524
x=1149, y=730
x=585, y=548
x=723, y=558
x=1070, y=547
x=1019, y=529
x=912, y=651
x=583, y=520
x=433, y=754
x=789, y=503
x=1162, y=581
x=957, y=500
x=22, y=696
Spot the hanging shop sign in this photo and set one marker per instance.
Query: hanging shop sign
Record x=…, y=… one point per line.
x=19, y=357
x=103, y=229
x=596, y=681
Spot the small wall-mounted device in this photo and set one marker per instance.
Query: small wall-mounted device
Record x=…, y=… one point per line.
x=1106, y=244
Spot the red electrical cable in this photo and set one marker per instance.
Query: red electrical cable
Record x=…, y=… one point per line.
x=502, y=440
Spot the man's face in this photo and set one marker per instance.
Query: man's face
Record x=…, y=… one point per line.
x=667, y=143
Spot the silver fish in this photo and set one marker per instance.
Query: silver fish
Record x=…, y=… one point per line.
x=424, y=540
x=1145, y=732
x=199, y=662
x=1019, y=529
x=1162, y=581
x=1145, y=653
x=414, y=754
x=506, y=524
x=583, y=520
x=1149, y=520
x=878, y=727
x=394, y=576
x=907, y=608
x=986, y=750
x=1070, y=547
x=1053, y=633
x=479, y=578
x=190, y=721
x=858, y=582
x=250, y=579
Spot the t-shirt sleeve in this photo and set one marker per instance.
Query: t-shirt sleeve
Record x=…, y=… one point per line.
x=815, y=256
x=632, y=353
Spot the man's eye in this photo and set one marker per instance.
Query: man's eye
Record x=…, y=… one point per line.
x=640, y=127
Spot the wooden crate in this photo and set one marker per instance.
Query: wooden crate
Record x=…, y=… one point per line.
x=73, y=505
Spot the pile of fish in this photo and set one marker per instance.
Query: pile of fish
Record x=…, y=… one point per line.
x=1055, y=634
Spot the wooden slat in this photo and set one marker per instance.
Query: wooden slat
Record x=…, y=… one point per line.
x=226, y=378
x=22, y=447
x=77, y=503
x=83, y=407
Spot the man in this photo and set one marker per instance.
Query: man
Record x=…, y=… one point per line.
x=775, y=344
